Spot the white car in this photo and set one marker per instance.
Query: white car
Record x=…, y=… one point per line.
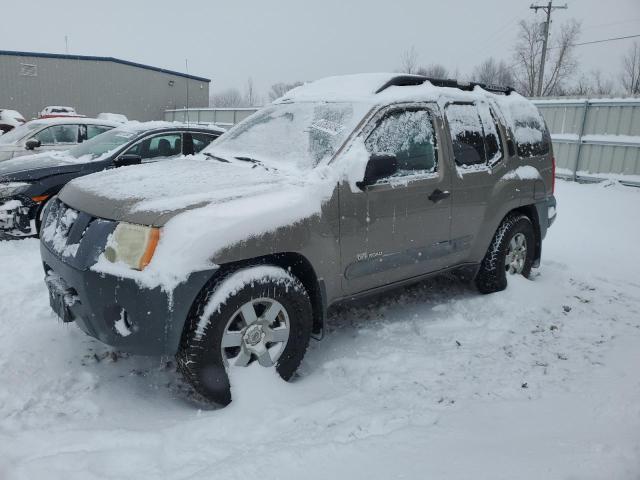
x=58, y=111
x=10, y=119
x=59, y=133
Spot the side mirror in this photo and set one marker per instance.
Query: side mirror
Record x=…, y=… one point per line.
x=379, y=166
x=32, y=144
x=127, y=159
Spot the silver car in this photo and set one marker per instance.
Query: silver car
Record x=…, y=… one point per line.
x=50, y=134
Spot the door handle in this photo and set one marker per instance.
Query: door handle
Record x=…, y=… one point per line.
x=438, y=195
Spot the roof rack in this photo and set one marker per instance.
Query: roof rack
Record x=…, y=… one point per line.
x=413, y=80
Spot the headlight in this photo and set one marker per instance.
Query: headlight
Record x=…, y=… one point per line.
x=132, y=244
x=12, y=188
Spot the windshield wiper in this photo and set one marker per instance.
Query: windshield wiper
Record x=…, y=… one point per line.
x=223, y=160
x=254, y=161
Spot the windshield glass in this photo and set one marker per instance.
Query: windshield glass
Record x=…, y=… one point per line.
x=291, y=135
x=103, y=143
x=18, y=133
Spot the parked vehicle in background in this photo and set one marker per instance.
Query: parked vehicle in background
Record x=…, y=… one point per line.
x=10, y=119
x=50, y=134
x=27, y=183
x=114, y=117
x=342, y=188
x=58, y=111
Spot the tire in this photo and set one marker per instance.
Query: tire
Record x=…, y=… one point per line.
x=492, y=275
x=219, y=313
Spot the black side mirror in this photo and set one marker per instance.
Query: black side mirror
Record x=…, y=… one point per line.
x=379, y=166
x=127, y=159
x=32, y=144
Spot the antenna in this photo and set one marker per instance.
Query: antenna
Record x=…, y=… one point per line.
x=66, y=44
x=186, y=66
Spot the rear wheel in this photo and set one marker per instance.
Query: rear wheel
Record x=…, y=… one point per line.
x=258, y=315
x=511, y=252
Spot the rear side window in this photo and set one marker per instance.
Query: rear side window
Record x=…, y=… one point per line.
x=201, y=140
x=466, y=135
x=93, y=130
x=409, y=135
x=532, y=138
x=474, y=135
x=529, y=130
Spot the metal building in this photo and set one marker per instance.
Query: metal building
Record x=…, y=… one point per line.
x=30, y=81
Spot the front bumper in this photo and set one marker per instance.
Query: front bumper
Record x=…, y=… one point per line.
x=117, y=311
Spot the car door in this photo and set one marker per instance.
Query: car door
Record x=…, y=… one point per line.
x=479, y=160
x=399, y=227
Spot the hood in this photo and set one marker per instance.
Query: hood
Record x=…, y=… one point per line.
x=154, y=193
x=35, y=167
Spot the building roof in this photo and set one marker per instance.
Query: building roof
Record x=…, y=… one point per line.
x=101, y=59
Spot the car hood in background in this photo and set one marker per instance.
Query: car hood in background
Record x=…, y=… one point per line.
x=152, y=194
x=35, y=167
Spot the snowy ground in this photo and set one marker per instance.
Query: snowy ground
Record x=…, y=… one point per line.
x=435, y=381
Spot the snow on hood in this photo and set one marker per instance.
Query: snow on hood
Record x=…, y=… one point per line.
x=203, y=206
x=39, y=160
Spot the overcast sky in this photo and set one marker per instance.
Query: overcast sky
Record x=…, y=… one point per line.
x=298, y=40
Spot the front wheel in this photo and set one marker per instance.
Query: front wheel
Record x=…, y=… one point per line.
x=511, y=252
x=257, y=315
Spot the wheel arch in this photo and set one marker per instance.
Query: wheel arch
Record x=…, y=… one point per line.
x=531, y=212
x=299, y=266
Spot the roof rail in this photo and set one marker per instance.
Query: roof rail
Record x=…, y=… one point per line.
x=413, y=80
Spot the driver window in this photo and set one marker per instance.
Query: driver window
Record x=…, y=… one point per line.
x=158, y=147
x=410, y=136
x=58, y=134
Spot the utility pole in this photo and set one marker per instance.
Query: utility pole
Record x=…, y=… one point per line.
x=547, y=9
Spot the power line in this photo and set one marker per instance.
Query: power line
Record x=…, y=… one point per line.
x=604, y=40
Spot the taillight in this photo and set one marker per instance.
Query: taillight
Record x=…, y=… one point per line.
x=553, y=175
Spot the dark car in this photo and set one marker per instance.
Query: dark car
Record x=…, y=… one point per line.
x=27, y=183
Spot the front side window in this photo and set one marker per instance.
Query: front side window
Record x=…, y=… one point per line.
x=410, y=136
x=159, y=146
x=58, y=134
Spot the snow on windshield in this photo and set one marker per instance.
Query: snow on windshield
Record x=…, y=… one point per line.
x=106, y=142
x=299, y=135
x=18, y=133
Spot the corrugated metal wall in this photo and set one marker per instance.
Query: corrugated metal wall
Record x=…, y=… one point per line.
x=92, y=87
x=595, y=137
x=224, y=117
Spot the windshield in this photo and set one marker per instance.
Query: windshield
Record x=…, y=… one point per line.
x=103, y=143
x=291, y=135
x=18, y=133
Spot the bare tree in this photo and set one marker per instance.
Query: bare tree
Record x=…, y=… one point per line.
x=409, y=61
x=560, y=62
x=230, y=97
x=435, y=70
x=251, y=97
x=493, y=72
x=588, y=85
x=630, y=77
x=279, y=89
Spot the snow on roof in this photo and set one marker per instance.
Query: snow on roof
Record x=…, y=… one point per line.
x=365, y=87
x=344, y=87
x=72, y=120
x=135, y=126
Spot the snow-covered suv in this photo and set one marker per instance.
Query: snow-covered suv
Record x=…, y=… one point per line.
x=344, y=187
